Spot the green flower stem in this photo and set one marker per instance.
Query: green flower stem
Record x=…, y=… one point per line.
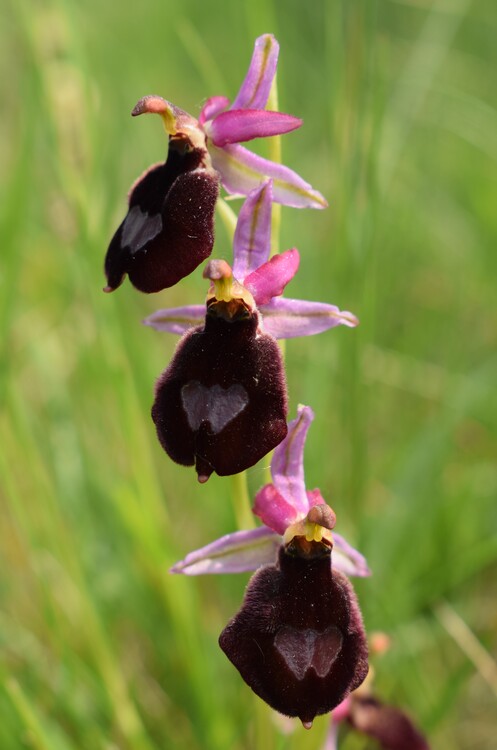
x=275, y=155
x=227, y=216
x=242, y=504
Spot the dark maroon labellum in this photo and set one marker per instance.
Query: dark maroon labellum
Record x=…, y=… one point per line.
x=298, y=641
x=169, y=228
x=221, y=404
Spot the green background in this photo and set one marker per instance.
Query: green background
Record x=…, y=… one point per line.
x=101, y=648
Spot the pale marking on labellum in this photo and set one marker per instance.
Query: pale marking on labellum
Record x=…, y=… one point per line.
x=139, y=228
x=216, y=405
x=309, y=649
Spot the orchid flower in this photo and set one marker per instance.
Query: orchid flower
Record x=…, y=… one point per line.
x=280, y=505
x=169, y=227
x=298, y=640
x=264, y=278
x=222, y=404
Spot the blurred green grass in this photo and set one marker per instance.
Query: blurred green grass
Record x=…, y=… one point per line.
x=101, y=647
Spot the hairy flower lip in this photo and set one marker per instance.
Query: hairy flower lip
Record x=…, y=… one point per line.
x=298, y=640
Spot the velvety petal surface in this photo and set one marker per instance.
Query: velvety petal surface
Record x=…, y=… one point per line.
x=176, y=319
x=213, y=107
x=252, y=242
x=270, y=279
x=287, y=465
x=239, y=125
x=298, y=640
x=289, y=318
x=234, y=553
x=254, y=91
x=241, y=171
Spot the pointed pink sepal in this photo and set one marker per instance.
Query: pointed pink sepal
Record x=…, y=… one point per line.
x=270, y=279
x=241, y=171
x=251, y=245
x=287, y=465
x=254, y=91
x=347, y=559
x=289, y=318
x=234, y=553
x=176, y=319
x=239, y=125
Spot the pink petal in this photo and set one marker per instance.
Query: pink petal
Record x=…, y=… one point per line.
x=255, y=89
x=288, y=318
x=341, y=712
x=233, y=553
x=241, y=171
x=213, y=107
x=246, y=124
x=176, y=319
x=251, y=245
x=273, y=509
x=270, y=279
x=287, y=466
x=347, y=559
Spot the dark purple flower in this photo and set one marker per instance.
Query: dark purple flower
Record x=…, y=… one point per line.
x=221, y=404
x=169, y=227
x=298, y=641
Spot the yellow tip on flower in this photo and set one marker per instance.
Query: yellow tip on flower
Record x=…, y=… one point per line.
x=225, y=287
x=312, y=532
x=156, y=105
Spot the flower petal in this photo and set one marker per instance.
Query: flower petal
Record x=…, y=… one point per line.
x=273, y=509
x=213, y=107
x=246, y=124
x=233, y=553
x=241, y=171
x=288, y=318
x=254, y=91
x=270, y=279
x=176, y=319
x=287, y=466
x=251, y=245
x=348, y=560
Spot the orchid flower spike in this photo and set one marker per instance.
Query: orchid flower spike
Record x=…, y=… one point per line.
x=222, y=404
x=169, y=227
x=266, y=279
